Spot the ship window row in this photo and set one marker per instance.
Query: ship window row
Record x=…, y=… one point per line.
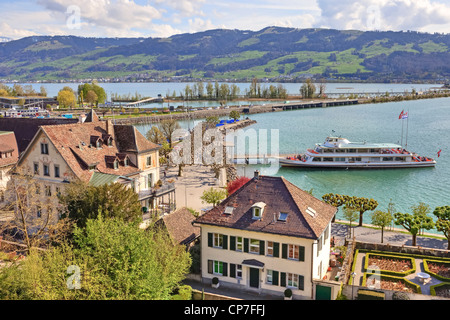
x=357, y=159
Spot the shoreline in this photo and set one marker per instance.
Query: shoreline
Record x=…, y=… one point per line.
x=271, y=107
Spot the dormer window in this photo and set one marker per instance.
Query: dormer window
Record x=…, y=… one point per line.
x=228, y=210
x=116, y=164
x=282, y=216
x=258, y=210
x=99, y=144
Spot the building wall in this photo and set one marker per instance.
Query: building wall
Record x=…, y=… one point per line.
x=153, y=169
x=307, y=268
x=52, y=159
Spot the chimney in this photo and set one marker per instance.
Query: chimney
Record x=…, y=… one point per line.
x=256, y=176
x=109, y=127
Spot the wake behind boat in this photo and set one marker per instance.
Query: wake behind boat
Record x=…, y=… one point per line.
x=337, y=152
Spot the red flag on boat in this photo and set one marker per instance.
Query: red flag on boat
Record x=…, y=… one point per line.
x=439, y=153
x=401, y=115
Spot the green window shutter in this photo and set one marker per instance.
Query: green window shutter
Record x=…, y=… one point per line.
x=262, y=247
x=225, y=269
x=232, y=243
x=245, y=245
x=275, y=278
x=210, y=266
x=232, y=270
x=224, y=242
x=210, y=239
x=284, y=249
x=301, y=282
x=301, y=253
x=283, y=279
x=276, y=249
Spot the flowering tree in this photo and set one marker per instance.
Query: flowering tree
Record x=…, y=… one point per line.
x=236, y=184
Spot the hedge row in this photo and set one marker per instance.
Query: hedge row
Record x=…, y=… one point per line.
x=427, y=270
x=416, y=287
x=390, y=272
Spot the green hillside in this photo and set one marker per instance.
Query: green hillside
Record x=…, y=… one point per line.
x=274, y=53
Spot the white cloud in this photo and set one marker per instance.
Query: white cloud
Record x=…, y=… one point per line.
x=119, y=14
x=186, y=8
x=382, y=14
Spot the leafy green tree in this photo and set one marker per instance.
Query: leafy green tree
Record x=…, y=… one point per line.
x=413, y=223
x=235, y=115
x=336, y=200
x=308, y=89
x=382, y=219
x=362, y=205
x=113, y=200
x=351, y=215
x=168, y=127
x=443, y=222
x=213, y=196
x=155, y=135
x=66, y=98
x=114, y=260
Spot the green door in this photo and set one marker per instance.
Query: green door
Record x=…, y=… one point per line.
x=323, y=293
x=254, y=278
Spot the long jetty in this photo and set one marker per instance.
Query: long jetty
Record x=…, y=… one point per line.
x=245, y=110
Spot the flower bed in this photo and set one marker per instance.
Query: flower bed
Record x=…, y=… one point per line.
x=441, y=290
x=389, y=264
x=438, y=269
x=386, y=282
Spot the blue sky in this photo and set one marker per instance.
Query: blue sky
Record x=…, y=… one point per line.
x=163, y=18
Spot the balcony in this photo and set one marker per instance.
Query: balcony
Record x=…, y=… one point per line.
x=158, y=201
x=157, y=191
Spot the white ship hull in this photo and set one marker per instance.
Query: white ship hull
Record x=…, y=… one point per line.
x=339, y=153
x=334, y=165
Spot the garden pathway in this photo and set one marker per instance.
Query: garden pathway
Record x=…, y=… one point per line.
x=425, y=287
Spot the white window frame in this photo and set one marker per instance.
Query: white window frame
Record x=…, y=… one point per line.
x=239, y=271
x=269, y=277
x=292, y=280
x=295, y=249
x=239, y=244
x=217, y=240
x=269, y=246
x=217, y=265
x=253, y=247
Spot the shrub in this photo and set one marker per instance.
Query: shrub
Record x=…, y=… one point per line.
x=400, y=296
x=215, y=280
x=370, y=295
x=288, y=293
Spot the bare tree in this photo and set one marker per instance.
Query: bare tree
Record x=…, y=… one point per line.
x=36, y=209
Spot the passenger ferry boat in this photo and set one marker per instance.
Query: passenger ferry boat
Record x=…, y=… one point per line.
x=337, y=152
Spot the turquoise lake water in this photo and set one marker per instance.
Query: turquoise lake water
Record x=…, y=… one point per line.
x=428, y=132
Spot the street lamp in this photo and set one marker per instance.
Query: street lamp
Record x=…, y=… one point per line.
x=353, y=274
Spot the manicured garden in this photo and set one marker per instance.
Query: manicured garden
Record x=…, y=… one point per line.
x=396, y=271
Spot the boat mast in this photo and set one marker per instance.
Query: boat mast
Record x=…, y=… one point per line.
x=407, y=120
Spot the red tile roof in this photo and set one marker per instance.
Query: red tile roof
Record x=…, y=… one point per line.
x=278, y=195
x=77, y=145
x=8, y=144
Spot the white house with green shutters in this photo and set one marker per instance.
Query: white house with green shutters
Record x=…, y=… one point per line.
x=267, y=236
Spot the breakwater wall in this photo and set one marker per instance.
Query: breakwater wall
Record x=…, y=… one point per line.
x=246, y=110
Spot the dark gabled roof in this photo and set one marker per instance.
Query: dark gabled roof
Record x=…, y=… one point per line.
x=278, y=195
x=179, y=226
x=129, y=139
x=25, y=128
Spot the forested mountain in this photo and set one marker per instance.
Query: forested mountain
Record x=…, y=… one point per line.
x=273, y=52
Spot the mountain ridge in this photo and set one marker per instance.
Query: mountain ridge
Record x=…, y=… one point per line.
x=270, y=53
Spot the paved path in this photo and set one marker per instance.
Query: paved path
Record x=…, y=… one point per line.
x=364, y=234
